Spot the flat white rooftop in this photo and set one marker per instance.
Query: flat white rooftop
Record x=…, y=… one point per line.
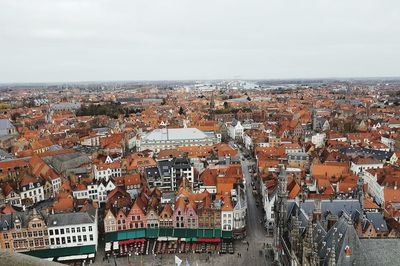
x=175, y=134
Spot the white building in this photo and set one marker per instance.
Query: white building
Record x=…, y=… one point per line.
x=240, y=210
x=227, y=215
x=12, y=197
x=73, y=229
x=107, y=170
x=318, y=139
x=172, y=138
x=248, y=142
x=95, y=191
x=102, y=190
x=235, y=130
x=268, y=205
x=362, y=164
x=388, y=142
x=56, y=184
x=31, y=188
x=174, y=169
x=91, y=141
x=374, y=189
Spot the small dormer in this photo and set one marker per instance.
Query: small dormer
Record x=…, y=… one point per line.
x=5, y=226
x=347, y=251
x=17, y=224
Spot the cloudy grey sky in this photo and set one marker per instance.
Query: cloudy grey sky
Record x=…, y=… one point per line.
x=86, y=40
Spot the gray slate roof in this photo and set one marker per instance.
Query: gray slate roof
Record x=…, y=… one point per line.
x=68, y=161
x=380, y=252
x=336, y=207
x=72, y=218
x=345, y=236
x=5, y=124
x=376, y=154
x=376, y=218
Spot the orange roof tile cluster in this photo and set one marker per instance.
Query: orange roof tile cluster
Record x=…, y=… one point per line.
x=328, y=170
x=40, y=168
x=41, y=144
x=391, y=195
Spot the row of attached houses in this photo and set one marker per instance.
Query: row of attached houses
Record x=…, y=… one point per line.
x=189, y=210
x=33, y=231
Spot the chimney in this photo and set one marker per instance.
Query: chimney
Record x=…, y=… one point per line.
x=317, y=211
x=332, y=220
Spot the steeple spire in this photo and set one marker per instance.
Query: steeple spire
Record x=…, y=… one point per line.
x=332, y=254
x=212, y=101
x=308, y=241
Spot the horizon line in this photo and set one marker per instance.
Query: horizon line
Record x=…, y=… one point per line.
x=194, y=79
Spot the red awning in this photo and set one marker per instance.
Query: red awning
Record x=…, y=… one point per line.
x=209, y=240
x=130, y=241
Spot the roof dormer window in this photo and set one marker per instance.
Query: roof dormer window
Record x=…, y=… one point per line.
x=347, y=251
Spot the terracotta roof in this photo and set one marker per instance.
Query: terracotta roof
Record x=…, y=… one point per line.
x=132, y=180
x=7, y=189
x=27, y=179
x=294, y=189
x=208, y=176
x=5, y=165
x=40, y=144
x=227, y=206
x=8, y=209
x=391, y=195
x=329, y=169
x=369, y=203
x=167, y=209
x=180, y=203
x=65, y=203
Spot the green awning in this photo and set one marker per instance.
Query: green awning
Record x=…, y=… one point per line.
x=217, y=233
x=62, y=252
x=111, y=236
x=227, y=234
x=152, y=232
x=190, y=233
x=130, y=235
x=167, y=232
x=200, y=233
x=180, y=232
x=141, y=233
x=208, y=233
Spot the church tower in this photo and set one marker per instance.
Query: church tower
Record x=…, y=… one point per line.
x=212, y=102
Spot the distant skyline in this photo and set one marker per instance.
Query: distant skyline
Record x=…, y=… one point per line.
x=104, y=40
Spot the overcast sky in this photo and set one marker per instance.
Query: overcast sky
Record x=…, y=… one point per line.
x=88, y=40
